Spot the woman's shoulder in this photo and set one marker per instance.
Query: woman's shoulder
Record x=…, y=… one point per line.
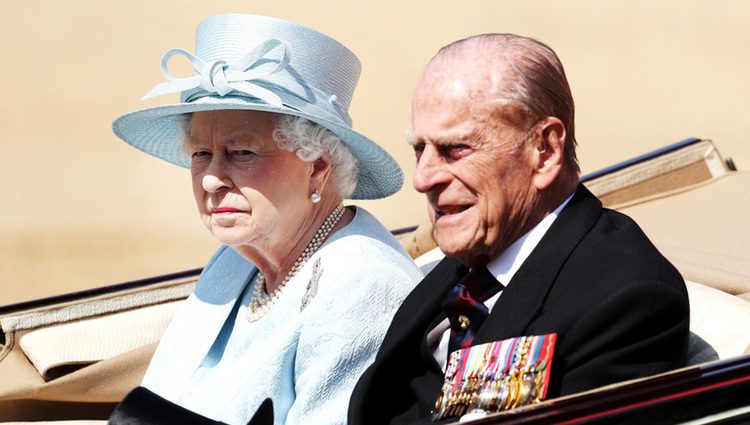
x=365, y=249
x=367, y=233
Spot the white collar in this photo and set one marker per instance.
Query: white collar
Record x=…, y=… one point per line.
x=505, y=266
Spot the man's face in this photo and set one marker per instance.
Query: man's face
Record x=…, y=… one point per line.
x=474, y=167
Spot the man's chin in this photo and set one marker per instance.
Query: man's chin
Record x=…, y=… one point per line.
x=470, y=254
x=455, y=250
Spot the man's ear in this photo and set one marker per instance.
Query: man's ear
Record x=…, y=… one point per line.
x=548, y=152
x=320, y=173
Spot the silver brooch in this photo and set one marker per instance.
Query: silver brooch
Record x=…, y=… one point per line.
x=312, y=285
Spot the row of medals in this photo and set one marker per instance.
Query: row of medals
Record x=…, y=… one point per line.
x=518, y=387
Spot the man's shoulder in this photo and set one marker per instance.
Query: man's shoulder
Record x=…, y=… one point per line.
x=612, y=256
x=617, y=242
x=614, y=259
x=608, y=238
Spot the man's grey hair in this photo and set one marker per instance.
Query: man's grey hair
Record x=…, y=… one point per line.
x=537, y=83
x=308, y=141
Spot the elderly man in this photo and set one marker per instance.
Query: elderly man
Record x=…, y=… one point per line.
x=494, y=140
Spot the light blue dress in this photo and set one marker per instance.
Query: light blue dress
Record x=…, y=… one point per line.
x=307, y=353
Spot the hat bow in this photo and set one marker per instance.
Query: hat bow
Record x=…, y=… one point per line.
x=220, y=77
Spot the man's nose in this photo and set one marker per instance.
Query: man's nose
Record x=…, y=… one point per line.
x=430, y=170
x=216, y=177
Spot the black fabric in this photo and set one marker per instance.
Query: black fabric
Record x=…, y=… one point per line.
x=142, y=406
x=620, y=310
x=264, y=414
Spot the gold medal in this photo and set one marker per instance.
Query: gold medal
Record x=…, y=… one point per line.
x=464, y=322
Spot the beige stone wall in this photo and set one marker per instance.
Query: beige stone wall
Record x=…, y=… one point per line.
x=81, y=209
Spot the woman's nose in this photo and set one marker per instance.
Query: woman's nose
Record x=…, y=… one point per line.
x=215, y=178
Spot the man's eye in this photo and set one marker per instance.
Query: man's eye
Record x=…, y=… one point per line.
x=418, y=149
x=456, y=151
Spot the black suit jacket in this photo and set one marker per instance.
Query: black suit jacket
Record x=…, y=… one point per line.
x=620, y=310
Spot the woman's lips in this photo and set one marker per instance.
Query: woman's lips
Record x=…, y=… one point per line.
x=225, y=210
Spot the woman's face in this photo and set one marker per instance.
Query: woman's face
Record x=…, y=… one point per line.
x=249, y=191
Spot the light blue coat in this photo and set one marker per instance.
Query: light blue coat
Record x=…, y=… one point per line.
x=307, y=360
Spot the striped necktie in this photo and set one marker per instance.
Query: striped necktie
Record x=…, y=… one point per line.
x=465, y=307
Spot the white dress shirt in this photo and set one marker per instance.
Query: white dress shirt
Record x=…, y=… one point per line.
x=503, y=268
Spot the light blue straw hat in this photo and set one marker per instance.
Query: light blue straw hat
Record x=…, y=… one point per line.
x=263, y=64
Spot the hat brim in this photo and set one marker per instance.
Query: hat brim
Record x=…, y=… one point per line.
x=157, y=131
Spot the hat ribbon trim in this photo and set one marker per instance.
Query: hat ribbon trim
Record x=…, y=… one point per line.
x=220, y=77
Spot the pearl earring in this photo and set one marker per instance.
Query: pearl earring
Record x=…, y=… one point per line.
x=315, y=198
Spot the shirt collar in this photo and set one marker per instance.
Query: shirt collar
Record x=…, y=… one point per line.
x=507, y=264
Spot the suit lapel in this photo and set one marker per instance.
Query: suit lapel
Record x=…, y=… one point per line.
x=443, y=281
x=196, y=326
x=421, y=310
x=217, y=294
x=525, y=293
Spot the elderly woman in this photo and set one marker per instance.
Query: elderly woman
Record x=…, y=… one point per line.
x=294, y=306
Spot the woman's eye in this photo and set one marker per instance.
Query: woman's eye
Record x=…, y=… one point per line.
x=242, y=152
x=201, y=154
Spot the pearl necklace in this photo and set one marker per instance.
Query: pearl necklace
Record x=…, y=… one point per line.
x=261, y=303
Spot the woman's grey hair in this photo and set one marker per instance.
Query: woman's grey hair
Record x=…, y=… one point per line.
x=308, y=141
